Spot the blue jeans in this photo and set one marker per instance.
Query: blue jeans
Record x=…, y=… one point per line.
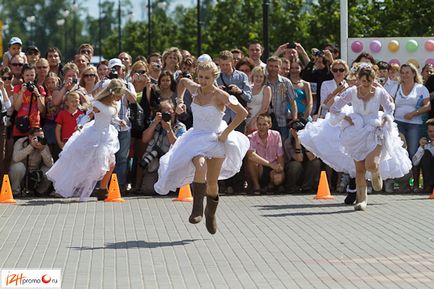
x=122, y=157
x=411, y=133
x=284, y=132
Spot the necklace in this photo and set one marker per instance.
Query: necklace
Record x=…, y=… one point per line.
x=364, y=96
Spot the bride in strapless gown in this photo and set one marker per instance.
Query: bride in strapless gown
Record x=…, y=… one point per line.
x=209, y=151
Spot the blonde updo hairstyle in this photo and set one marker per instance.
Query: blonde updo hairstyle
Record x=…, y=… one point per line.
x=115, y=88
x=209, y=65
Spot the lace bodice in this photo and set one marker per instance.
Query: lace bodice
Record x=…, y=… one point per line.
x=361, y=107
x=207, y=117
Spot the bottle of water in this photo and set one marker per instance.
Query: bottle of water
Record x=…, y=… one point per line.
x=419, y=102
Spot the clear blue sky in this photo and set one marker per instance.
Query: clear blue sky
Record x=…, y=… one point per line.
x=140, y=10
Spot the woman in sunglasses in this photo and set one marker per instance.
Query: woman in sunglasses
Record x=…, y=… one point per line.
x=88, y=79
x=332, y=88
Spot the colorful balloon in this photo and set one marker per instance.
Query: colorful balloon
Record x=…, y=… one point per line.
x=357, y=46
x=393, y=46
x=394, y=61
x=414, y=62
x=375, y=46
x=430, y=61
x=412, y=45
x=429, y=45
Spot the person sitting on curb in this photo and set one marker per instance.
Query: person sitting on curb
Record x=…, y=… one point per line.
x=265, y=161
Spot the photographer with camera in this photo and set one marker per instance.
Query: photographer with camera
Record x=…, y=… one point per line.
x=424, y=157
x=158, y=137
x=70, y=83
x=302, y=168
x=29, y=102
x=316, y=71
x=31, y=160
x=235, y=83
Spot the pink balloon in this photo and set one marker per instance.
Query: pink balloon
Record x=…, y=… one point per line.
x=357, y=46
x=394, y=61
x=430, y=61
x=429, y=45
x=375, y=46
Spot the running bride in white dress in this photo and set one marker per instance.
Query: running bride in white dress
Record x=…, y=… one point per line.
x=89, y=155
x=368, y=141
x=209, y=151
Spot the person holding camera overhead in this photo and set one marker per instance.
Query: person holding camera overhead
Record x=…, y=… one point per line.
x=158, y=137
x=29, y=102
x=316, y=71
x=31, y=161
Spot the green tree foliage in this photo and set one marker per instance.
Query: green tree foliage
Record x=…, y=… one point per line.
x=225, y=23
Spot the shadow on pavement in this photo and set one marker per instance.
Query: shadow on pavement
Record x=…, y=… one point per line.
x=138, y=244
x=309, y=213
x=47, y=202
x=299, y=206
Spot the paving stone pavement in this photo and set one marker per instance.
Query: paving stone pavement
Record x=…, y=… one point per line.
x=276, y=241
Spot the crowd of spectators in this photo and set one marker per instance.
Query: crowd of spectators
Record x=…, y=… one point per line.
x=44, y=99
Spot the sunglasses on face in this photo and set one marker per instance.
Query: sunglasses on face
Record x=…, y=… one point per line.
x=341, y=70
x=141, y=71
x=89, y=75
x=7, y=78
x=17, y=64
x=41, y=67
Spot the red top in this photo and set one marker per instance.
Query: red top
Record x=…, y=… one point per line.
x=68, y=122
x=35, y=117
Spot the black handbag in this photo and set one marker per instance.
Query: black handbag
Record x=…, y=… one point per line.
x=137, y=117
x=22, y=123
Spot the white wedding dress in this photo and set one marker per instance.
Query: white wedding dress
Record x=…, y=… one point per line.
x=338, y=143
x=176, y=166
x=87, y=156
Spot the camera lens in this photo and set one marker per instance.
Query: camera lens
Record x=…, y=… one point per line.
x=166, y=116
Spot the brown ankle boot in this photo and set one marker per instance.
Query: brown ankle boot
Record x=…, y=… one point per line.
x=362, y=198
x=210, y=209
x=199, y=192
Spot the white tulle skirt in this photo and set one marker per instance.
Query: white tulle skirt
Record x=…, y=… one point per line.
x=84, y=160
x=339, y=146
x=176, y=166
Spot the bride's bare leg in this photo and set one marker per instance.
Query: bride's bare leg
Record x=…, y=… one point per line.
x=212, y=199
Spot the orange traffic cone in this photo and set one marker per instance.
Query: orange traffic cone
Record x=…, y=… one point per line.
x=323, y=192
x=114, y=193
x=6, y=195
x=432, y=195
x=184, y=194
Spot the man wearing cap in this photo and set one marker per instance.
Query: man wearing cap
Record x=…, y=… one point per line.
x=117, y=69
x=14, y=48
x=33, y=54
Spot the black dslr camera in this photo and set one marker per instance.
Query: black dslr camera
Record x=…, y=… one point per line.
x=298, y=124
x=42, y=140
x=150, y=155
x=166, y=116
x=113, y=74
x=30, y=86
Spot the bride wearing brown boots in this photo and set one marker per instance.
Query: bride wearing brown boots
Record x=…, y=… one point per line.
x=210, y=150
